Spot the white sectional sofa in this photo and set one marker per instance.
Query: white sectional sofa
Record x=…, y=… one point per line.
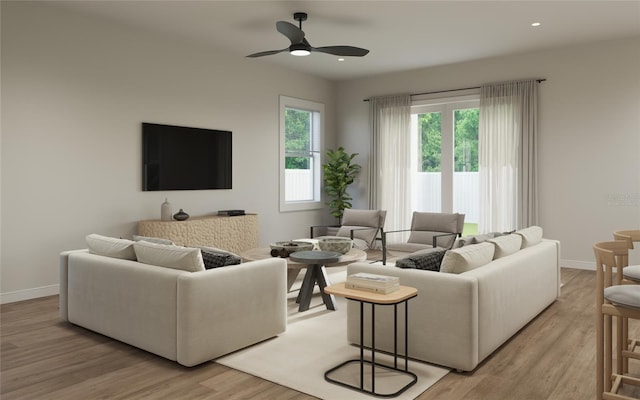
x=459, y=318
x=188, y=317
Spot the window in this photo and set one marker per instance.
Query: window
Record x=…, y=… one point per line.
x=445, y=160
x=301, y=133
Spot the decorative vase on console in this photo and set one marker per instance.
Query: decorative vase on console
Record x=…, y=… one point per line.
x=181, y=215
x=165, y=211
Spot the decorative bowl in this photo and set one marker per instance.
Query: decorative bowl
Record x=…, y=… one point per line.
x=335, y=243
x=290, y=246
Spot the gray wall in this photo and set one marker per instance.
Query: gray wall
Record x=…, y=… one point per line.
x=74, y=92
x=589, y=149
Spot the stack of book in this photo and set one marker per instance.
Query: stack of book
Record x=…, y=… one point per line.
x=382, y=284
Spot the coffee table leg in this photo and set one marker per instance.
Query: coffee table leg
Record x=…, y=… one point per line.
x=292, y=275
x=323, y=281
x=306, y=290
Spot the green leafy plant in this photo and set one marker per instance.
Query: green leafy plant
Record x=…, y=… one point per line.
x=339, y=173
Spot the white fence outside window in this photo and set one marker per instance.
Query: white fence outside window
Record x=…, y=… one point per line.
x=298, y=185
x=427, y=191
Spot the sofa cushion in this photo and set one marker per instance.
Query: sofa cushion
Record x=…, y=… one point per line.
x=110, y=247
x=137, y=238
x=162, y=255
x=429, y=260
x=467, y=258
x=214, y=258
x=530, y=236
x=506, y=245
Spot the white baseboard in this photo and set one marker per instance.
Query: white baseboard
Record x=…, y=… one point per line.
x=591, y=266
x=28, y=294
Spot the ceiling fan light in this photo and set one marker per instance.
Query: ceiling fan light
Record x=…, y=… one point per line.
x=299, y=50
x=300, y=53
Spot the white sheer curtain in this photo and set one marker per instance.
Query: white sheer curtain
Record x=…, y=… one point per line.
x=390, y=165
x=507, y=155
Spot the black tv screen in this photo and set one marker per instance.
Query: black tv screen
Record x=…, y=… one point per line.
x=182, y=158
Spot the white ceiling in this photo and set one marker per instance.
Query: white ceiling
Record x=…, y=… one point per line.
x=400, y=35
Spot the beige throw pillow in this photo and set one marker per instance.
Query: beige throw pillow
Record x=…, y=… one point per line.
x=467, y=258
x=176, y=257
x=506, y=245
x=110, y=247
x=530, y=236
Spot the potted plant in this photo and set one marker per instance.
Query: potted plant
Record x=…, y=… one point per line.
x=339, y=173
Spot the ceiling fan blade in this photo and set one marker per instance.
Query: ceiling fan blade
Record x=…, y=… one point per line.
x=295, y=34
x=266, y=53
x=347, y=51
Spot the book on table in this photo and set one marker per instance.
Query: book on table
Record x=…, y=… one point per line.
x=373, y=282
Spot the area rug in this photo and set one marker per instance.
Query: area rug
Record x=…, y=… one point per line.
x=316, y=341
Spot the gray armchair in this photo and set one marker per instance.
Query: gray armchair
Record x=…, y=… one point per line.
x=428, y=230
x=364, y=227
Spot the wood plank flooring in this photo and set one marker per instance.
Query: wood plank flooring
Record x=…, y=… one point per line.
x=41, y=357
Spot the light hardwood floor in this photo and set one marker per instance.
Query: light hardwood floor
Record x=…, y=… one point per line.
x=553, y=357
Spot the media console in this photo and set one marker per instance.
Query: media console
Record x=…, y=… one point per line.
x=235, y=234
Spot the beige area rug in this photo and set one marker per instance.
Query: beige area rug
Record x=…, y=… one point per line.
x=316, y=341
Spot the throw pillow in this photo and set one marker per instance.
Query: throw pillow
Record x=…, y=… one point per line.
x=465, y=241
x=467, y=258
x=506, y=245
x=137, y=238
x=214, y=258
x=530, y=236
x=110, y=247
x=176, y=257
x=429, y=261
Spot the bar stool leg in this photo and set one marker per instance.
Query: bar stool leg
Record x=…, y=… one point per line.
x=608, y=352
x=599, y=356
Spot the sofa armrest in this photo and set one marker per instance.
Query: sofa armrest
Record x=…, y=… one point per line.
x=443, y=318
x=126, y=300
x=225, y=309
x=63, y=298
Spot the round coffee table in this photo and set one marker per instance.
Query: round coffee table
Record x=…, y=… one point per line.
x=316, y=272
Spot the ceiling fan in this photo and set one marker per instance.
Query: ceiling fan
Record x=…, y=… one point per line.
x=301, y=47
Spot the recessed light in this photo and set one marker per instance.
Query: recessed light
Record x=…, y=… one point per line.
x=341, y=59
x=536, y=24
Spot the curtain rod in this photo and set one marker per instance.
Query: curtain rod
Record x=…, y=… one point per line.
x=453, y=90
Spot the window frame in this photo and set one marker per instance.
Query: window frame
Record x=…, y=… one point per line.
x=317, y=141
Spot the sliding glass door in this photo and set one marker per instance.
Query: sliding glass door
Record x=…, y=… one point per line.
x=445, y=158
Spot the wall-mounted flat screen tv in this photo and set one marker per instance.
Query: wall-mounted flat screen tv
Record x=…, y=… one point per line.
x=182, y=158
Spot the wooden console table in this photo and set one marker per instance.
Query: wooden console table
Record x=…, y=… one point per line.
x=235, y=234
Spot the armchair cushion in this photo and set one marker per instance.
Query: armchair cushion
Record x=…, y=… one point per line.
x=426, y=237
x=364, y=223
x=425, y=225
x=439, y=222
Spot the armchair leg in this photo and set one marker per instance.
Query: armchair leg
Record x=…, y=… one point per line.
x=384, y=249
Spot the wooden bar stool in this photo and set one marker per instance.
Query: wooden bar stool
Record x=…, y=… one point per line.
x=630, y=275
x=621, y=301
x=630, y=272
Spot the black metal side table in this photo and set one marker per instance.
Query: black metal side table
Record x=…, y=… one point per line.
x=402, y=295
